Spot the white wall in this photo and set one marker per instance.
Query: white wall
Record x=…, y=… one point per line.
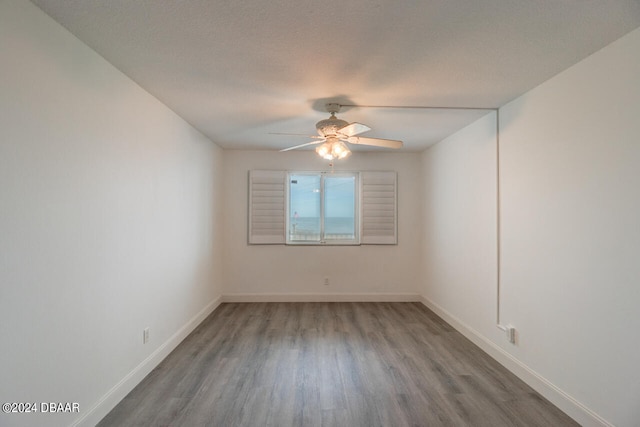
x=570, y=241
x=109, y=223
x=282, y=272
x=460, y=205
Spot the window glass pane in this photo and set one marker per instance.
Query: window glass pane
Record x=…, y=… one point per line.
x=339, y=208
x=304, y=207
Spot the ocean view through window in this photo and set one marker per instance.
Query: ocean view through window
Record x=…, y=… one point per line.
x=322, y=208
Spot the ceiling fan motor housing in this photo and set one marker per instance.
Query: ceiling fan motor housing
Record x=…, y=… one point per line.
x=330, y=126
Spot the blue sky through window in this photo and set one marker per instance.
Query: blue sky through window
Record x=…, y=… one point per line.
x=305, y=196
x=339, y=197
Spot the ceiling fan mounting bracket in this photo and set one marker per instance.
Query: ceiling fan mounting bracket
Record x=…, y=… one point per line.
x=333, y=108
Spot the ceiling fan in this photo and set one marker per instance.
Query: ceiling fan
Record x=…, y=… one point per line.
x=333, y=133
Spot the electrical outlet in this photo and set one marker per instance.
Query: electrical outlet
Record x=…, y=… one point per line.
x=511, y=334
x=326, y=281
x=145, y=336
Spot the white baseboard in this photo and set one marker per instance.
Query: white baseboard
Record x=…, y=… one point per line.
x=308, y=297
x=101, y=408
x=576, y=410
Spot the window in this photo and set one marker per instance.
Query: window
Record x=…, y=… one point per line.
x=322, y=208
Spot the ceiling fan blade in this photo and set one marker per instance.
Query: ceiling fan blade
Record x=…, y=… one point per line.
x=302, y=145
x=296, y=134
x=376, y=142
x=354, y=129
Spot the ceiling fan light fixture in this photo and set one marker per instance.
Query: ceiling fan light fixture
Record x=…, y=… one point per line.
x=324, y=151
x=340, y=150
x=333, y=149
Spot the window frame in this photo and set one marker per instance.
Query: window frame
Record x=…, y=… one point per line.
x=322, y=241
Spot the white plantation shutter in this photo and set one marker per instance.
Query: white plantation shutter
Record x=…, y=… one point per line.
x=378, y=203
x=267, y=206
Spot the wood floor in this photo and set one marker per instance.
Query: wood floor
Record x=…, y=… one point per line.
x=330, y=364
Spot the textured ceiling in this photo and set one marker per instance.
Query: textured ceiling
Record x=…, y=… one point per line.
x=239, y=70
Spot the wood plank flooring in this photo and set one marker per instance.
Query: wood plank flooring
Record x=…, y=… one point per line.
x=330, y=364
